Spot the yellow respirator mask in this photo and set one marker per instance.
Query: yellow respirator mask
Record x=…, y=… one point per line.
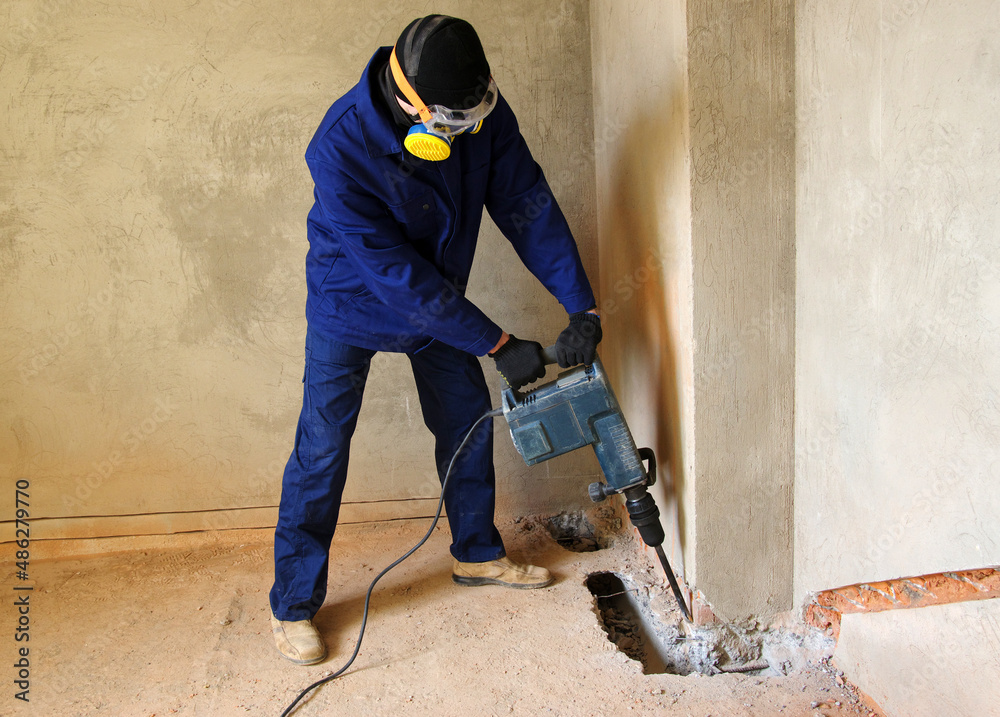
x=431, y=139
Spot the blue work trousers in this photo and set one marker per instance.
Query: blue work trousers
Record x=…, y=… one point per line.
x=453, y=394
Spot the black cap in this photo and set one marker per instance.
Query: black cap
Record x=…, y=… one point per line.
x=444, y=62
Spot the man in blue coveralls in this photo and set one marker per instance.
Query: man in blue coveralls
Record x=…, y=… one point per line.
x=399, y=199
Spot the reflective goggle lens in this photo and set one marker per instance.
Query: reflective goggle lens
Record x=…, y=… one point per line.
x=447, y=120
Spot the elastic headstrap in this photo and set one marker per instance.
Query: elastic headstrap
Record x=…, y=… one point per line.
x=411, y=95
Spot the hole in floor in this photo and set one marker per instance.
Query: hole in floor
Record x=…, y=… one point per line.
x=664, y=643
x=624, y=622
x=576, y=533
x=670, y=647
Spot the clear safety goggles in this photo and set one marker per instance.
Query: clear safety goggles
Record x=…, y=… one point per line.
x=448, y=121
x=437, y=118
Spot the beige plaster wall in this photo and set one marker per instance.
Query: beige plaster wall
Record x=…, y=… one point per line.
x=897, y=410
x=933, y=661
x=641, y=145
x=153, y=200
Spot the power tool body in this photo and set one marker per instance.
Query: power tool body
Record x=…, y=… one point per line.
x=577, y=409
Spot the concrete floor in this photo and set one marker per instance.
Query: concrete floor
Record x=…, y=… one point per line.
x=184, y=630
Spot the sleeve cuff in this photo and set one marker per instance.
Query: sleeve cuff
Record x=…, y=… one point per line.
x=576, y=303
x=487, y=342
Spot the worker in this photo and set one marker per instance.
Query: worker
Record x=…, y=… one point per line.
x=404, y=164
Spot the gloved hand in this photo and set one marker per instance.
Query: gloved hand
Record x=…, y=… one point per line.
x=578, y=342
x=519, y=362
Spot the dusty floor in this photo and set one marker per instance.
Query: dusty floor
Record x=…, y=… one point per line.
x=185, y=632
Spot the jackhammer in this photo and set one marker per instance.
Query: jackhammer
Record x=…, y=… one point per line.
x=577, y=409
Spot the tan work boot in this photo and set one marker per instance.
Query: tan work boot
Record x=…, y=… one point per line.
x=298, y=640
x=503, y=571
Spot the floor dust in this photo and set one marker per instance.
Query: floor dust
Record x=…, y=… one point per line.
x=185, y=632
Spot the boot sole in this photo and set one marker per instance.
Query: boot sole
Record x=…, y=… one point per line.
x=275, y=629
x=476, y=582
x=315, y=661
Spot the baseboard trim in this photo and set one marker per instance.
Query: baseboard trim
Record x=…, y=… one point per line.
x=48, y=536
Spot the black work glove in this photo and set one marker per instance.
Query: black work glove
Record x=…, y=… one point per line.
x=519, y=362
x=578, y=342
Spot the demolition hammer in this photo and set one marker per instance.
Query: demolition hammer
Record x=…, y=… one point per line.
x=577, y=409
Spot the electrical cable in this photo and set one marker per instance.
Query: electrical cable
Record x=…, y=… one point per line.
x=411, y=551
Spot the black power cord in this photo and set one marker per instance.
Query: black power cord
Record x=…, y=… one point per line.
x=411, y=551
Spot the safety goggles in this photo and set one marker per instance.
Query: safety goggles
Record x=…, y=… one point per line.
x=438, y=118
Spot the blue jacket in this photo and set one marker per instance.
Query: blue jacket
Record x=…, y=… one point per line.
x=392, y=238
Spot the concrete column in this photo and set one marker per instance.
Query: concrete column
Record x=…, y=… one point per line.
x=694, y=146
x=742, y=115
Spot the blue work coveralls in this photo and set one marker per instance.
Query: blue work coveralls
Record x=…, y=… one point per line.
x=391, y=245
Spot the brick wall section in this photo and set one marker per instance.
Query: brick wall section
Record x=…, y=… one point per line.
x=825, y=609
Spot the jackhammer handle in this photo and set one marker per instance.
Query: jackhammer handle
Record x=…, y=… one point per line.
x=549, y=355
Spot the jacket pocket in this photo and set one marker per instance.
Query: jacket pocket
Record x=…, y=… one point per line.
x=417, y=217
